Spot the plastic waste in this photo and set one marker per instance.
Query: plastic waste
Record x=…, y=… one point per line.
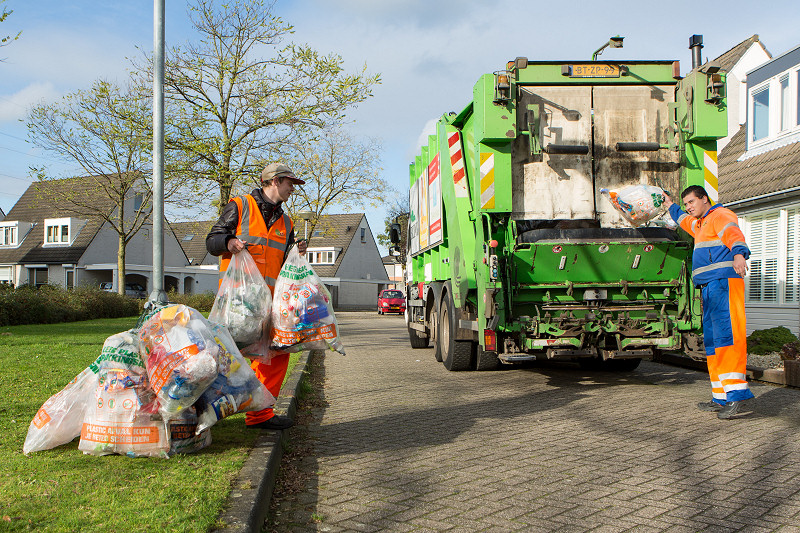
x=180, y=355
x=183, y=434
x=638, y=204
x=243, y=301
x=236, y=387
x=302, y=315
x=61, y=417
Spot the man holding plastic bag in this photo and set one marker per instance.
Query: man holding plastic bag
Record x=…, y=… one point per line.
x=257, y=222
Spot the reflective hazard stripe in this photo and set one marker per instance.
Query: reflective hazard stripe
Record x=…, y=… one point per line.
x=457, y=163
x=487, y=180
x=712, y=266
x=733, y=375
x=710, y=175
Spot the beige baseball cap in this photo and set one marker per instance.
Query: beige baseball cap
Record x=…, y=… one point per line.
x=277, y=170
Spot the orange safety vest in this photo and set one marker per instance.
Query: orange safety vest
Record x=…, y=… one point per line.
x=266, y=245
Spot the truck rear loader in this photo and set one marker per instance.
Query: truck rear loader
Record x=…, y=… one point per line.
x=514, y=254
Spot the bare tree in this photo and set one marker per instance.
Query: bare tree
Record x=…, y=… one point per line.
x=4, y=41
x=101, y=130
x=340, y=172
x=238, y=94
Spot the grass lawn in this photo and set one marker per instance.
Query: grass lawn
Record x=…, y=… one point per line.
x=64, y=490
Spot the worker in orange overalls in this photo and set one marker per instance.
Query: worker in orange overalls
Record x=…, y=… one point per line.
x=718, y=268
x=257, y=221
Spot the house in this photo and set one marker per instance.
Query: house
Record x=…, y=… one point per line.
x=343, y=252
x=759, y=173
x=736, y=62
x=40, y=244
x=394, y=269
x=192, y=238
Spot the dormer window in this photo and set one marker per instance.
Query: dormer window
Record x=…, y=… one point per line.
x=321, y=256
x=9, y=234
x=61, y=231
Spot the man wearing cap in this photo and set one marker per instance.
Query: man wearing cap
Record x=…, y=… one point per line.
x=257, y=221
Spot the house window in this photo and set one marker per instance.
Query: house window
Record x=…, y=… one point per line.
x=363, y=234
x=37, y=276
x=138, y=199
x=321, y=257
x=69, y=281
x=786, y=104
x=188, y=237
x=8, y=236
x=763, y=277
x=6, y=274
x=56, y=231
x=761, y=114
x=792, y=287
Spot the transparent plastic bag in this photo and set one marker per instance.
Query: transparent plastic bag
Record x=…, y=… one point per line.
x=235, y=389
x=181, y=357
x=243, y=301
x=302, y=315
x=183, y=434
x=61, y=417
x=638, y=204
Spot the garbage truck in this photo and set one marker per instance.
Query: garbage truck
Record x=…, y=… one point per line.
x=513, y=253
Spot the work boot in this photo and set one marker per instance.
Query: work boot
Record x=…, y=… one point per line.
x=729, y=410
x=276, y=422
x=709, y=406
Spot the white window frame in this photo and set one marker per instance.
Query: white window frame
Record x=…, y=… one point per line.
x=785, y=216
x=12, y=229
x=330, y=253
x=776, y=130
x=58, y=225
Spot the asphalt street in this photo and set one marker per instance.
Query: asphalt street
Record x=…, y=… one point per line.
x=404, y=445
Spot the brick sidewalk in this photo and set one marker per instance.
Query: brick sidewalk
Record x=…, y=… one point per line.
x=405, y=445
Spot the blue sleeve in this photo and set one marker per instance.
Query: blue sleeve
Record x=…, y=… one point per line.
x=675, y=212
x=741, y=249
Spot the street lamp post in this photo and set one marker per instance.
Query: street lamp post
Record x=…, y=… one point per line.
x=306, y=216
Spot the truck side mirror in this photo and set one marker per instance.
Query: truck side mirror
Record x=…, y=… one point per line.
x=394, y=233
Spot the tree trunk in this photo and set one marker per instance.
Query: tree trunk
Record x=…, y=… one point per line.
x=121, y=265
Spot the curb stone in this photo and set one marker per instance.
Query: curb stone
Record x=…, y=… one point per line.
x=251, y=491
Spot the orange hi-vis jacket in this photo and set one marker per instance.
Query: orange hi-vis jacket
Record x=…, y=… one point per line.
x=717, y=238
x=266, y=245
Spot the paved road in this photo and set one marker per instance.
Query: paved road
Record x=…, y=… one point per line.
x=405, y=445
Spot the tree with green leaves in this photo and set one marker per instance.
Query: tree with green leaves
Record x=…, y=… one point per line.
x=4, y=13
x=100, y=129
x=397, y=213
x=238, y=95
x=340, y=172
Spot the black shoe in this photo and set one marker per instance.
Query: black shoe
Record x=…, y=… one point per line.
x=709, y=406
x=276, y=422
x=729, y=410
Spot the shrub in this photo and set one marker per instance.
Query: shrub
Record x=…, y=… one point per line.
x=203, y=301
x=763, y=341
x=51, y=304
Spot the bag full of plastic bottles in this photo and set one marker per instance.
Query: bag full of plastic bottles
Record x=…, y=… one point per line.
x=302, y=312
x=181, y=356
x=61, y=417
x=183, y=434
x=243, y=301
x=236, y=387
x=638, y=204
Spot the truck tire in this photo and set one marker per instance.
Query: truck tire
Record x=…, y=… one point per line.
x=485, y=360
x=434, y=334
x=456, y=355
x=417, y=341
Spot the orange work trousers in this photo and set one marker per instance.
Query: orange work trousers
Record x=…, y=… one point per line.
x=725, y=339
x=271, y=375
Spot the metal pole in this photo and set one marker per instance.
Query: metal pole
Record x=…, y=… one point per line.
x=158, y=295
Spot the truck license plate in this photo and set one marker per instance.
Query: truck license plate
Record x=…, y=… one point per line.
x=594, y=71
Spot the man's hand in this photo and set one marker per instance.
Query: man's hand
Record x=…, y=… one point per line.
x=667, y=200
x=302, y=246
x=739, y=264
x=235, y=245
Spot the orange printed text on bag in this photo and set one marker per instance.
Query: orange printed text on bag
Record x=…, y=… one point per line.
x=266, y=245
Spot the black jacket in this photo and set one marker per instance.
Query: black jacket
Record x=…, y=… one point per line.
x=225, y=228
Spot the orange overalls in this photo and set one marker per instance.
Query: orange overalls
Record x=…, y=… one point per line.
x=717, y=238
x=268, y=248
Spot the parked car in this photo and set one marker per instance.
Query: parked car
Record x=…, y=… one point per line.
x=391, y=301
x=134, y=290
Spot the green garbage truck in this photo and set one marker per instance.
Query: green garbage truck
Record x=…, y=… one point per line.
x=513, y=253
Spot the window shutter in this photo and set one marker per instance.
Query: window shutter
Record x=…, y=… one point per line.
x=792, y=255
x=771, y=230
x=756, y=245
x=763, y=276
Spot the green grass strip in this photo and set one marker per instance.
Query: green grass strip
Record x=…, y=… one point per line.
x=64, y=490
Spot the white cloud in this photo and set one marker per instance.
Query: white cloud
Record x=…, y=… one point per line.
x=428, y=129
x=15, y=106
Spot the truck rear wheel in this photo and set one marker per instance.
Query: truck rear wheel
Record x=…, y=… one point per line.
x=417, y=340
x=434, y=333
x=456, y=355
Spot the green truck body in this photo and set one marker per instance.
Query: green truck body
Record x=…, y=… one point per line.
x=513, y=253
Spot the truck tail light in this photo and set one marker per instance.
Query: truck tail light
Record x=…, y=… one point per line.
x=489, y=340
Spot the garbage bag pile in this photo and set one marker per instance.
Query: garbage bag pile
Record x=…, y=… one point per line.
x=638, y=204
x=243, y=301
x=152, y=392
x=302, y=312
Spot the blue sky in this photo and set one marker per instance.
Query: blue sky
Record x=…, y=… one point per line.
x=429, y=54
